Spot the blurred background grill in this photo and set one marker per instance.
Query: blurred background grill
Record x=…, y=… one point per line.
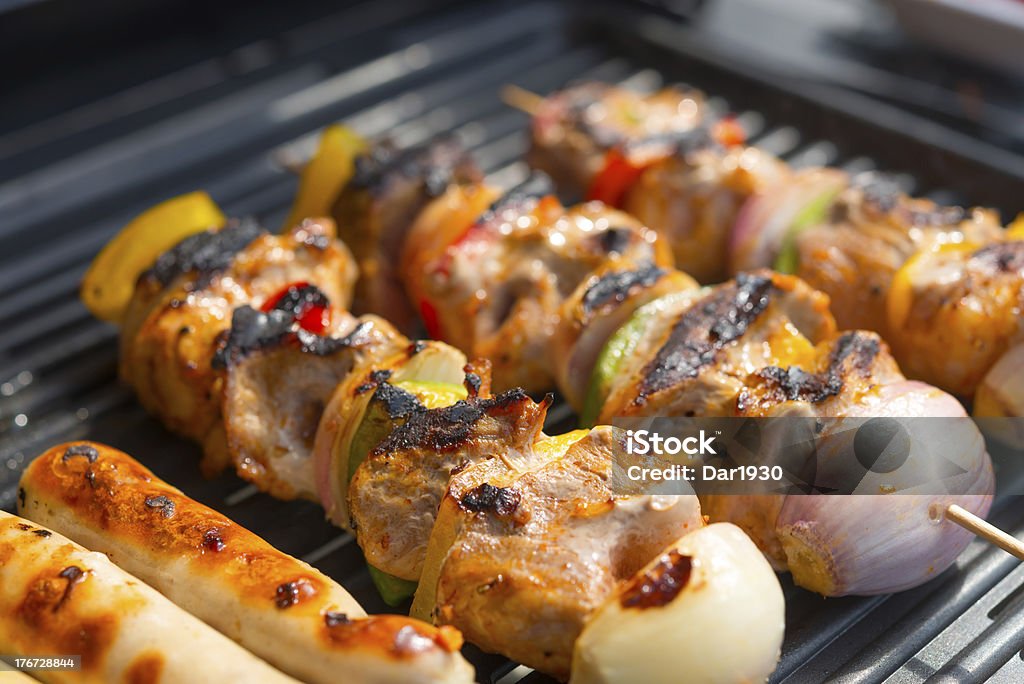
x=112, y=107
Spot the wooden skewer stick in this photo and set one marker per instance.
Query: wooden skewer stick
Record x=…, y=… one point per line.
x=522, y=99
x=985, y=530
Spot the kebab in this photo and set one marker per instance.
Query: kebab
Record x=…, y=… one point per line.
x=728, y=208
x=643, y=340
x=283, y=350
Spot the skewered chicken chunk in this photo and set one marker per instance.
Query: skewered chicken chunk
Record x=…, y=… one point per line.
x=529, y=548
x=376, y=209
x=185, y=301
x=491, y=279
x=954, y=312
x=872, y=229
x=574, y=129
x=699, y=347
x=692, y=199
x=279, y=377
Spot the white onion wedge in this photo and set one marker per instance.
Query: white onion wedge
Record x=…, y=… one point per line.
x=708, y=610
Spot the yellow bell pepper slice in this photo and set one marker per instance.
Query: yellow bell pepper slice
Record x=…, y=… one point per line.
x=1015, y=231
x=901, y=292
x=110, y=281
x=326, y=174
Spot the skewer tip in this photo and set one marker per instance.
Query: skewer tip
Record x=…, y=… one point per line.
x=985, y=530
x=521, y=99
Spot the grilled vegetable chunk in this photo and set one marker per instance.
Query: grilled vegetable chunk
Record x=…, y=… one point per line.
x=58, y=598
x=277, y=606
x=676, y=619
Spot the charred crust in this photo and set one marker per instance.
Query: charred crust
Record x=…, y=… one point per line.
x=213, y=540
x=286, y=595
x=24, y=527
x=73, y=574
x=375, y=378
x=161, y=503
x=436, y=164
x=619, y=285
x=794, y=384
x=290, y=593
x=1001, y=257
x=615, y=240
x=520, y=198
x=443, y=429
x=396, y=401
x=334, y=618
x=416, y=347
x=21, y=496
x=299, y=299
x=486, y=498
x=853, y=353
x=704, y=329
x=659, y=585
x=85, y=450
x=472, y=383
x=253, y=330
x=42, y=533
x=204, y=254
x=882, y=194
x=857, y=348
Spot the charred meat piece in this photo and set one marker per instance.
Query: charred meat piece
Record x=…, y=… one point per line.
x=601, y=304
x=493, y=286
x=695, y=356
x=375, y=210
x=873, y=229
x=576, y=127
x=275, y=393
x=185, y=302
x=395, y=493
x=693, y=198
x=954, y=312
x=524, y=552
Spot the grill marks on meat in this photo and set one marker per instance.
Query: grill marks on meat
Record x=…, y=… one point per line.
x=253, y=330
x=395, y=492
x=205, y=254
x=1001, y=257
x=436, y=163
x=446, y=428
x=660, y=585
x=704, y=329
x=501, y=501
x=882, y=195
x=851, y=360
x=616, y=286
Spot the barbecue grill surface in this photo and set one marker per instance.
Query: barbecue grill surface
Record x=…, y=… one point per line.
x=414, y=80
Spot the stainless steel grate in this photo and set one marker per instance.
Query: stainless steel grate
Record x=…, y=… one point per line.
x=414, y=81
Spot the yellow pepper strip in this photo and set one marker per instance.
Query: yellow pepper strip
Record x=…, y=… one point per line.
x=901, y=291
x=1015, y=231
x=326, y=174
x=110, y=281
x=558, y=444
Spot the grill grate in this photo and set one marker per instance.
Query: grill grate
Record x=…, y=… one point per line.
x=58, y=366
